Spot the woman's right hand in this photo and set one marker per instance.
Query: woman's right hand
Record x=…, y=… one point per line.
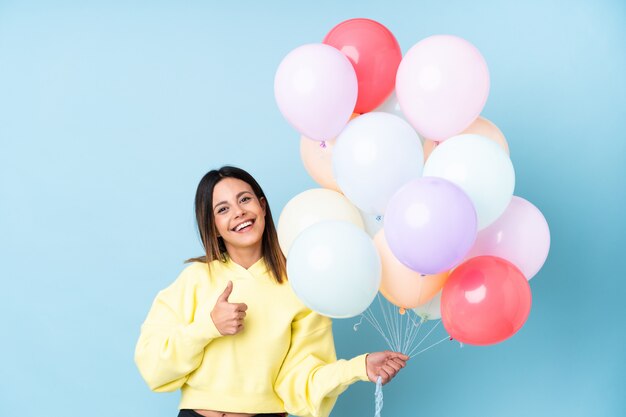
x=228, y=317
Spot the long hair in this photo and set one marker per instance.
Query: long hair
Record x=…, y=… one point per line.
x=213, y=244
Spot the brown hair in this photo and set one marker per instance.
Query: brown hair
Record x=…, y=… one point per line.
x=213, y=244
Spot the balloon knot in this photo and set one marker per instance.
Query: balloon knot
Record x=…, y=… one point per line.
x=323, y=144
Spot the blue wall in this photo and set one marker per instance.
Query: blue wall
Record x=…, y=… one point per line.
x=110, y=112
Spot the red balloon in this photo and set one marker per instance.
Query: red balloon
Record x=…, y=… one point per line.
x=485, y=301
x=375, y=55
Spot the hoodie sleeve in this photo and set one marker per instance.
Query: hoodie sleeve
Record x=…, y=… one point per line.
x=311, y=378
x=174, y=335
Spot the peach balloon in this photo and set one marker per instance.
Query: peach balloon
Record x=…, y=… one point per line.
x=402, y=286
x=317, y=158
x=480, y=126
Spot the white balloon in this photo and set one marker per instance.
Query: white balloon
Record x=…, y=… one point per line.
x=310, y=207
x=430, y=310
x=374, y=156
x=334, y=269
x=481, y=168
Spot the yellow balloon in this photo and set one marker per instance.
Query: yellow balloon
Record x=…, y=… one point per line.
x=480, y=126
x=401, y=285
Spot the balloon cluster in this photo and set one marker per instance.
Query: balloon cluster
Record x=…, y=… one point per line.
x=401, y=138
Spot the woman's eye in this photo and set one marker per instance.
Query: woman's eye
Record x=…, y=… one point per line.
x=221, y=210
x=244, y=199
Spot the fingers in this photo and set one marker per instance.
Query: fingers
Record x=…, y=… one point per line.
x=227, y=291
x=390, y=371
x=228, y=317
x=384, y=376
x=399, y=355
x=395, y=365
x=398, y=361
x=387, y=365
x=237, y=328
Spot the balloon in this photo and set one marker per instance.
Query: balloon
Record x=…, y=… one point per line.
x=430, y=225
x=316, y=90
x=521, y=236
x=430, y=310
x=310, y=207
x=375, y=54
x=317, y=158
x=334, y=269
x=485, y=301
x=401, y=285
x=442, y=85
x=391, y=106
x=481, y=127
x=374, y=155
x=372, y=223
x=481, y=168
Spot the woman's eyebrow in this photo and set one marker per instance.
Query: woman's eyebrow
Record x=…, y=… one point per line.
x=238, y=195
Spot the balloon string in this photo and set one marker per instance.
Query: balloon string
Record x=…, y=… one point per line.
x=431, y=346
x=378, y=396
x=430, y=303
x=411, y=338
x=407, y=331
x=372, y=320
x=424, y=338
x=356, y=325
x=387, y=320
x=400, y=333
x=415, y=330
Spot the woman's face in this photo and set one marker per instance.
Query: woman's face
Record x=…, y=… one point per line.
x=239, y=215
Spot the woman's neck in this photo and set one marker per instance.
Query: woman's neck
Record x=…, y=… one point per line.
x=245, y=257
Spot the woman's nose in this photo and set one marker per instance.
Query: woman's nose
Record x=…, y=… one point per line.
x=239, y=211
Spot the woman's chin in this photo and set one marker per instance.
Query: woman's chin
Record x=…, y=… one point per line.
x=245, y=240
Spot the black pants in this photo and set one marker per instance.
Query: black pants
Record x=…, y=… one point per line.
x=191, y=413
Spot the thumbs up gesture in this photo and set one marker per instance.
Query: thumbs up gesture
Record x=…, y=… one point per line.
x=228, y=317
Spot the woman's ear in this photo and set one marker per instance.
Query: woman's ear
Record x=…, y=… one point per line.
x=263, y=202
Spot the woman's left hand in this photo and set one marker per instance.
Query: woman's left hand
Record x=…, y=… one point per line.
x=384, y=364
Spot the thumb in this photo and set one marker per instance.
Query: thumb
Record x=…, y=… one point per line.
x=227, y=291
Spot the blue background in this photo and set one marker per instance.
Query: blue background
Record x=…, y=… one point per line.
x=110, y=112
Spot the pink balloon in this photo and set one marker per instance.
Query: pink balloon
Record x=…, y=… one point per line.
x=485, y=301
x=520, y=235
x=442, y=86
x=316, y=90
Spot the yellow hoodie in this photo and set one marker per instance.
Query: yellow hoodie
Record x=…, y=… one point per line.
x=283, y=360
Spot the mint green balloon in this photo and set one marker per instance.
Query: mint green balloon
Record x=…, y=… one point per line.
x=334, y=269
x=481, y=168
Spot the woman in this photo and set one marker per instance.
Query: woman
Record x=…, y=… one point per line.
x=231, y=333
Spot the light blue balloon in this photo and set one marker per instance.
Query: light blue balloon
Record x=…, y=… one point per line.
x=375, y=155
x=334, y=269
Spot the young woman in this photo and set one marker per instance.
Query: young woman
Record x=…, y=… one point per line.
x=230, y=332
